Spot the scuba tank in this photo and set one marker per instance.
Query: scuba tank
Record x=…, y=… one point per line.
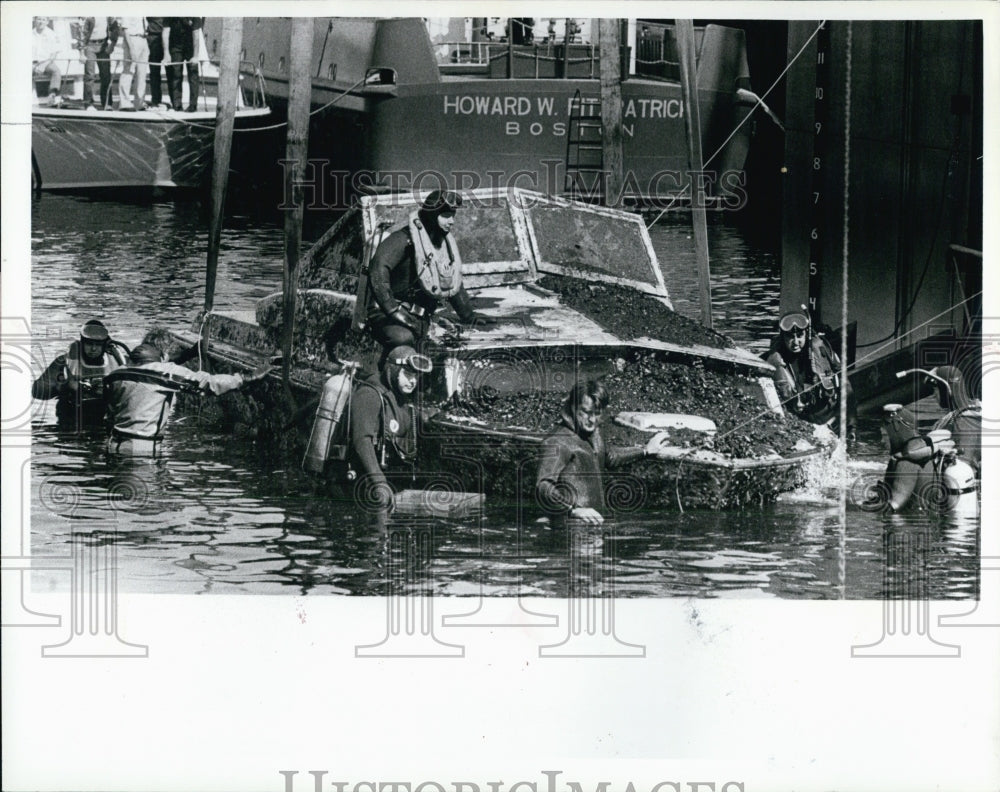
x=960, y=483
x=328, y=438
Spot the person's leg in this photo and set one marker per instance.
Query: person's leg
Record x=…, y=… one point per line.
x=140, y=55
x=104, y=74
x=194, y=85
x=155, y=44
x=55, y=82
x=90, y=87
x=125, y=78
x=175, y=74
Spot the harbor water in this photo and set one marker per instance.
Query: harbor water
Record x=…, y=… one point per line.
x=212, y=516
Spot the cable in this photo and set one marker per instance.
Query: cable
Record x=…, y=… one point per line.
x=760, y=101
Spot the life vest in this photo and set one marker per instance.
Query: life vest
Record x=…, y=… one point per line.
x=819, y=387
x=79, y=372
x=439, y=271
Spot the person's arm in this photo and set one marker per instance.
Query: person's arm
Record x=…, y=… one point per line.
x=391, y=253
x=52, y=381
x=217, y=384
x=784, y=383
x=88, y=28
x=902, y=481
x=462, y=304
x=366, y=410
x=552, y=494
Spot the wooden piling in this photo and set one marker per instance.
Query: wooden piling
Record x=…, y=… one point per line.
x=684, y=30
x=296, y=154
x=229, y=86
x=611, y=110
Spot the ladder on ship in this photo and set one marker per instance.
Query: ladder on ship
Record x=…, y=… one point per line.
x=584, y=148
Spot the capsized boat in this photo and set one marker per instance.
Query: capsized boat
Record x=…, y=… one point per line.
x=576, y=292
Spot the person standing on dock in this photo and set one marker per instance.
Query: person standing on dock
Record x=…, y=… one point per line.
x=182, y=54
x=155, y=35
x=98, y=37
x=383, y=426
x=415, y=268
x=135, y=64
x=140, y=397
x=570, y=481
x=807, y=373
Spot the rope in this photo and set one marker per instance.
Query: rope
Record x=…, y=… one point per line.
x=760, y=101
x=842, y=504
x=201, y=336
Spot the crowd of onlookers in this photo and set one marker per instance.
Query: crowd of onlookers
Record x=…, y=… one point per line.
x=92, y=51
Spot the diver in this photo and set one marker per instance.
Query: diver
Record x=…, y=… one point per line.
x=76, y=377
x=414, y=269
x=570, y=483
x=925, y=466
x=383, y=424
x=965, y=414
x=140, y=397
x=807, y=373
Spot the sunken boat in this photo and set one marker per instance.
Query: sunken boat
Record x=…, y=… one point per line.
x=576, y=291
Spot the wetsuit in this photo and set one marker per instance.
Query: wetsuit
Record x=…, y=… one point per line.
x=383, y=431
x=570, y=470
x=394, y=283
x=809, y=382
x=77, y=383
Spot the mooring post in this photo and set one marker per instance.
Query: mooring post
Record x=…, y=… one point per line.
x=684, y=30
x=229, y=86
x=296, y=154
x=611, y=110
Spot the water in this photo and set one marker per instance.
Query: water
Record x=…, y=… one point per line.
x=210, y=517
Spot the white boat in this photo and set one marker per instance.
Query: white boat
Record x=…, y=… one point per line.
x=72, y=149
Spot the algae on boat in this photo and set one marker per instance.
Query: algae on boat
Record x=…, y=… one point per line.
x=576, y=292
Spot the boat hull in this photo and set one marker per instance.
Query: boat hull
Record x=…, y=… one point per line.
x=75, y=150
x=500, y=133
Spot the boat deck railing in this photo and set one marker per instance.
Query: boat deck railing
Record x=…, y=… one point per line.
x=252, y=93
x=656, y=57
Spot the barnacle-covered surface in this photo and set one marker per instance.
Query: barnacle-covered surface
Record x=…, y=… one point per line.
x=629, y=314
x=749, y=460
x=498, y=387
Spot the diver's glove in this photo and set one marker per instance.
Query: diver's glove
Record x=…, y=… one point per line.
x=405, y=318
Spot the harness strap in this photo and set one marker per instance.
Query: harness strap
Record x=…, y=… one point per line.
x=962, y=491
x=120, y=435
x=161, y=379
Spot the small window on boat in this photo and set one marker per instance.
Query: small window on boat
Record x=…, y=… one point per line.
x=592, y=244
x=215, y=47
x=331, y=71
x=243, y=54
x=260, y=60
x=281, y=64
